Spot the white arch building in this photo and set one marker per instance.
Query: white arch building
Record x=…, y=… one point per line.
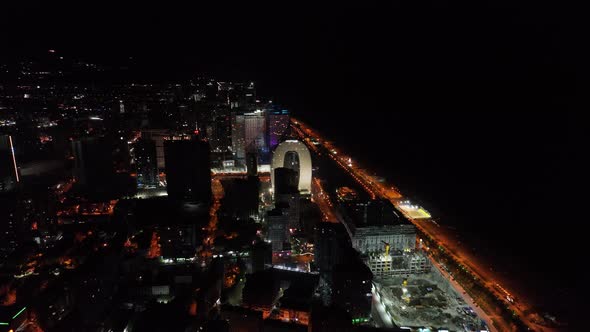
x=278, y=160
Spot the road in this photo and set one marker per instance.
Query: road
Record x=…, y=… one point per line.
x=324, y=202
x=488, y=318
x=474, y=265
x=378, y=312
x=211, y=228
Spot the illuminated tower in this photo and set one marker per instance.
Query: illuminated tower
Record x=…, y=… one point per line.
x=249, y=134
x=278, y=127
x=291, y=147
x=144, y=153
x=238, y=136
x=255, y=133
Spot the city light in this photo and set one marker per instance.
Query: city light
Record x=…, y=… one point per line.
x=253, y=214
x=13, y=159
x=18, y=313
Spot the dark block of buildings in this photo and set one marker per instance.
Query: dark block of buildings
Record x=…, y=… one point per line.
x=241, y=198
x=188, y=170
x=9, y=225
x=331, y=246
x=351, y=287
x=242, y=319
x=261, y=290
x=261, y=254
x=252, y=163
x=93, y=162
x=286, y=181
x=329, y=319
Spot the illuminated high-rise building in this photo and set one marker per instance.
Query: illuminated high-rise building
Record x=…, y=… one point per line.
x=255, y=132
x=9, y=176
x=144, y=155
x=249, y=134
x=278, y=127
x=238, y=136
x=188, y=170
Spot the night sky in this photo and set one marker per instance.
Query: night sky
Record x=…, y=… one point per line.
x=477, y=110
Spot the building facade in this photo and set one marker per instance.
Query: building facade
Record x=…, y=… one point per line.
x=238, y=136
x=373, y=238
x=144, y=155
x=277, y=228
x=278, y=127
x=158, y=136
x=398, y=263
x=305, y=167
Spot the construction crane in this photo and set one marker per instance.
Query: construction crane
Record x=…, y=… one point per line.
x=386, y=248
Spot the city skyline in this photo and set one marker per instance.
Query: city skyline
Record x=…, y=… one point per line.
x=388, y=165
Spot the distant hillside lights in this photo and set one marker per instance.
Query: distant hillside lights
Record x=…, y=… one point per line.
x=7, y=123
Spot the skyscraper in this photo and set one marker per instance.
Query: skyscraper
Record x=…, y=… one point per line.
x=238, y=136
x=331, y=243
x=255, y=133
x=93, y=162
x=9, y=176
x=249, y=134
x=188, y=170
x=287, y=196
x=157, y=135
x=220, y=134
x=261, y=254
x=278, y=228
x=144, y=153
x=278, y=127
x=252, y=163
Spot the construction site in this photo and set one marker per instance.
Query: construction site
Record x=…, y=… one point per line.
x=425, y=300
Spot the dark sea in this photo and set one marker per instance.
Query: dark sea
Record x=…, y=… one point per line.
x=478, y=113
x=511, y=185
